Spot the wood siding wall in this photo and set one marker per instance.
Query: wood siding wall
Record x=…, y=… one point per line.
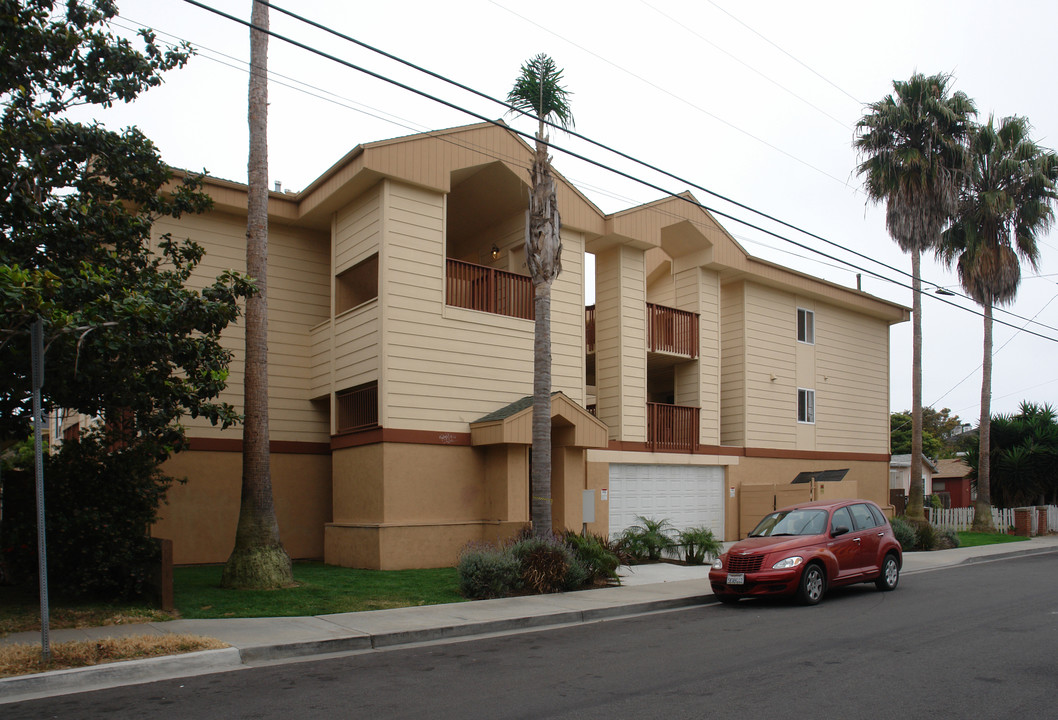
x=732, y=365
x=298, y=300
x=620, y=343
x=444, y=367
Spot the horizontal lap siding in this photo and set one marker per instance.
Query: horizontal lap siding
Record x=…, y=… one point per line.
x=770, y=333
x=852, y=395
x=298, y=299
x=732, y=367
x=446, y=367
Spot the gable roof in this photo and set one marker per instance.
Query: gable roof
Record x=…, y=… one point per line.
x=904, y=461
x=572, y=425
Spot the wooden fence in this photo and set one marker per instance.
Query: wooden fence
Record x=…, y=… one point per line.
x=961, y=519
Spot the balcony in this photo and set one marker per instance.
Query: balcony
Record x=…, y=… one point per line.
x=672, y=331
x=669, y=330
x=477, y=287
x=672, y=427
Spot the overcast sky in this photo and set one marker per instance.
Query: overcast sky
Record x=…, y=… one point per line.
x=756, y=101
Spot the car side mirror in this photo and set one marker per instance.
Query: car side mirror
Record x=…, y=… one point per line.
x=839, y=530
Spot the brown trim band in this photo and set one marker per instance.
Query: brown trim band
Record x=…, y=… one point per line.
x=410, y=437
x=280, y=447
x=773, y=453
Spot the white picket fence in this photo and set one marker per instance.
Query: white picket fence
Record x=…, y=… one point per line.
x=962, y=518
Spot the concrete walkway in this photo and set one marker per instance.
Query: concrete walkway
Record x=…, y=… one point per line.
x=254, y=641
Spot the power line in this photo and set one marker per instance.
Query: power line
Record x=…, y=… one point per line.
x=746, y=65
x=583, y=158
x=789, y=55
x=612, y=150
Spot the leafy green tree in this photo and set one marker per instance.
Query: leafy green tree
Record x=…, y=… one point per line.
x=258, y=559
x=1008, y=201
x=937, y=428
x=538, y=90
x=913, y=147
x=127, y=340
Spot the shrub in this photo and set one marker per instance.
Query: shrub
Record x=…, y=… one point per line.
x=101, y=496
x=487, y=572
x=698, y=543
x=905, y=533
x=946, y=539
x=649, y=539
x=547, y=565
x=594, y=553
x=927, y=537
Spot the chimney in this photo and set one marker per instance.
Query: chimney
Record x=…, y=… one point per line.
x=279, y=186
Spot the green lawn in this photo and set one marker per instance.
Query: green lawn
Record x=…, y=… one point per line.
x=973, y=539
x=320, y=589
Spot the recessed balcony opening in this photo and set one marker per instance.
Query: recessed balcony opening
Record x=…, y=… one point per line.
x=485, y=234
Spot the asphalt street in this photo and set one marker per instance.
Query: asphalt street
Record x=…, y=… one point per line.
x=967, y=641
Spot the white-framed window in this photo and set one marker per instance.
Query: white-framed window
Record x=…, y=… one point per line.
x=806, y=326
x=806, y=405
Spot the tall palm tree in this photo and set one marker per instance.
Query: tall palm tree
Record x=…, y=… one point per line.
x=913, y=147
x=538, y=91
x=258, y=559
x=1007, y=203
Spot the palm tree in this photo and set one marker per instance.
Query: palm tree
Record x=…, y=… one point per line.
x=913, y=147
x=258, y=559
x=538, y=91
x=1007, y=203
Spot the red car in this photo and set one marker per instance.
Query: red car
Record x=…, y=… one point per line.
x=804, y=549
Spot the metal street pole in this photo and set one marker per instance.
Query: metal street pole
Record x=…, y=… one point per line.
x=37, y=359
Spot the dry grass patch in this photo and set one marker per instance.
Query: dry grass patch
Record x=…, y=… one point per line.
x=24, y=659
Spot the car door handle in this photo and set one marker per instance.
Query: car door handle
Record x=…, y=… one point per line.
x=856, y=540
x=881, y=534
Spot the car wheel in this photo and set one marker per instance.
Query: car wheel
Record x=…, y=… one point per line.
x=889, y=575
x=728, y=599
x=813, y=585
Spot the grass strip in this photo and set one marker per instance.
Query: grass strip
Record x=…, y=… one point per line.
x=974, y=539
x=24, y=659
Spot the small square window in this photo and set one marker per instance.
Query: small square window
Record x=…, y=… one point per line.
x=806, y=326
x=806, y=405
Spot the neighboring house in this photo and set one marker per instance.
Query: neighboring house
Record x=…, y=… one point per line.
x=952, y=478
x=900, y=474
x=401, y=363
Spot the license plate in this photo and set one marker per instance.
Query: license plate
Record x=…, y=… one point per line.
x=736, y=578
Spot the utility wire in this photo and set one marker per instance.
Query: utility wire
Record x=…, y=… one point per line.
x=789, y=55
x=619, y=153
x=579, y=156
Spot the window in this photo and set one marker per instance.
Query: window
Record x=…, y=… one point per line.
x=841, y=518
x=356, y=285
x=806, y=326
x=358, y=408
x=861, y=515
x=806, y=405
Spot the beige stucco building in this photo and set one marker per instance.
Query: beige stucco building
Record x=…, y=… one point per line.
x=401, y=356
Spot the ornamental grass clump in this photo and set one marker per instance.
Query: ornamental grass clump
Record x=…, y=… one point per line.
x=548, y=565
x=594, y=553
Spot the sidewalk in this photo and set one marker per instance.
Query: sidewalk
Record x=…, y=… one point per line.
x=645, y=588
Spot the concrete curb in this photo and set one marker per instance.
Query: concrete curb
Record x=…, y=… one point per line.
x=1008, y=555
x=117, y=674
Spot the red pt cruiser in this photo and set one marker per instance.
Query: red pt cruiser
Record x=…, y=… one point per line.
x=804, y=549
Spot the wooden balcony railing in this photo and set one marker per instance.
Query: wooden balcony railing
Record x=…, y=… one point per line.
x=672, y=427
x=668, y=330
x=671, y=330
x=477, y=287
x=589, y=327
x=358, y=408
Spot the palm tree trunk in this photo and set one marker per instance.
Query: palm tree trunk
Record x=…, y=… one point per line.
x=983, y=504
x=258, y=559
x=914, y=510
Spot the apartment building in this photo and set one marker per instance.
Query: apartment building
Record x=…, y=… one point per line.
x=401, y=363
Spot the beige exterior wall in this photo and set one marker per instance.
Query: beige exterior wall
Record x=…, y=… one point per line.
x=732, y=365
x=698, y=381
x=201, y=515
x=620, y=342
x=298, y=300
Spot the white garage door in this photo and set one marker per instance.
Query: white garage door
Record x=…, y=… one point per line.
x=687, y=496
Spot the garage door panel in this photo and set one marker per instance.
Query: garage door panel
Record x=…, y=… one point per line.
x=688, y=496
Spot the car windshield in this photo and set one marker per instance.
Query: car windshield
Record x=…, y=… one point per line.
x=792, y=522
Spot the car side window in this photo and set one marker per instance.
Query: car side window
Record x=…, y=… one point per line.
x=879, y=518
x=841, y=518
x=861, y=515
